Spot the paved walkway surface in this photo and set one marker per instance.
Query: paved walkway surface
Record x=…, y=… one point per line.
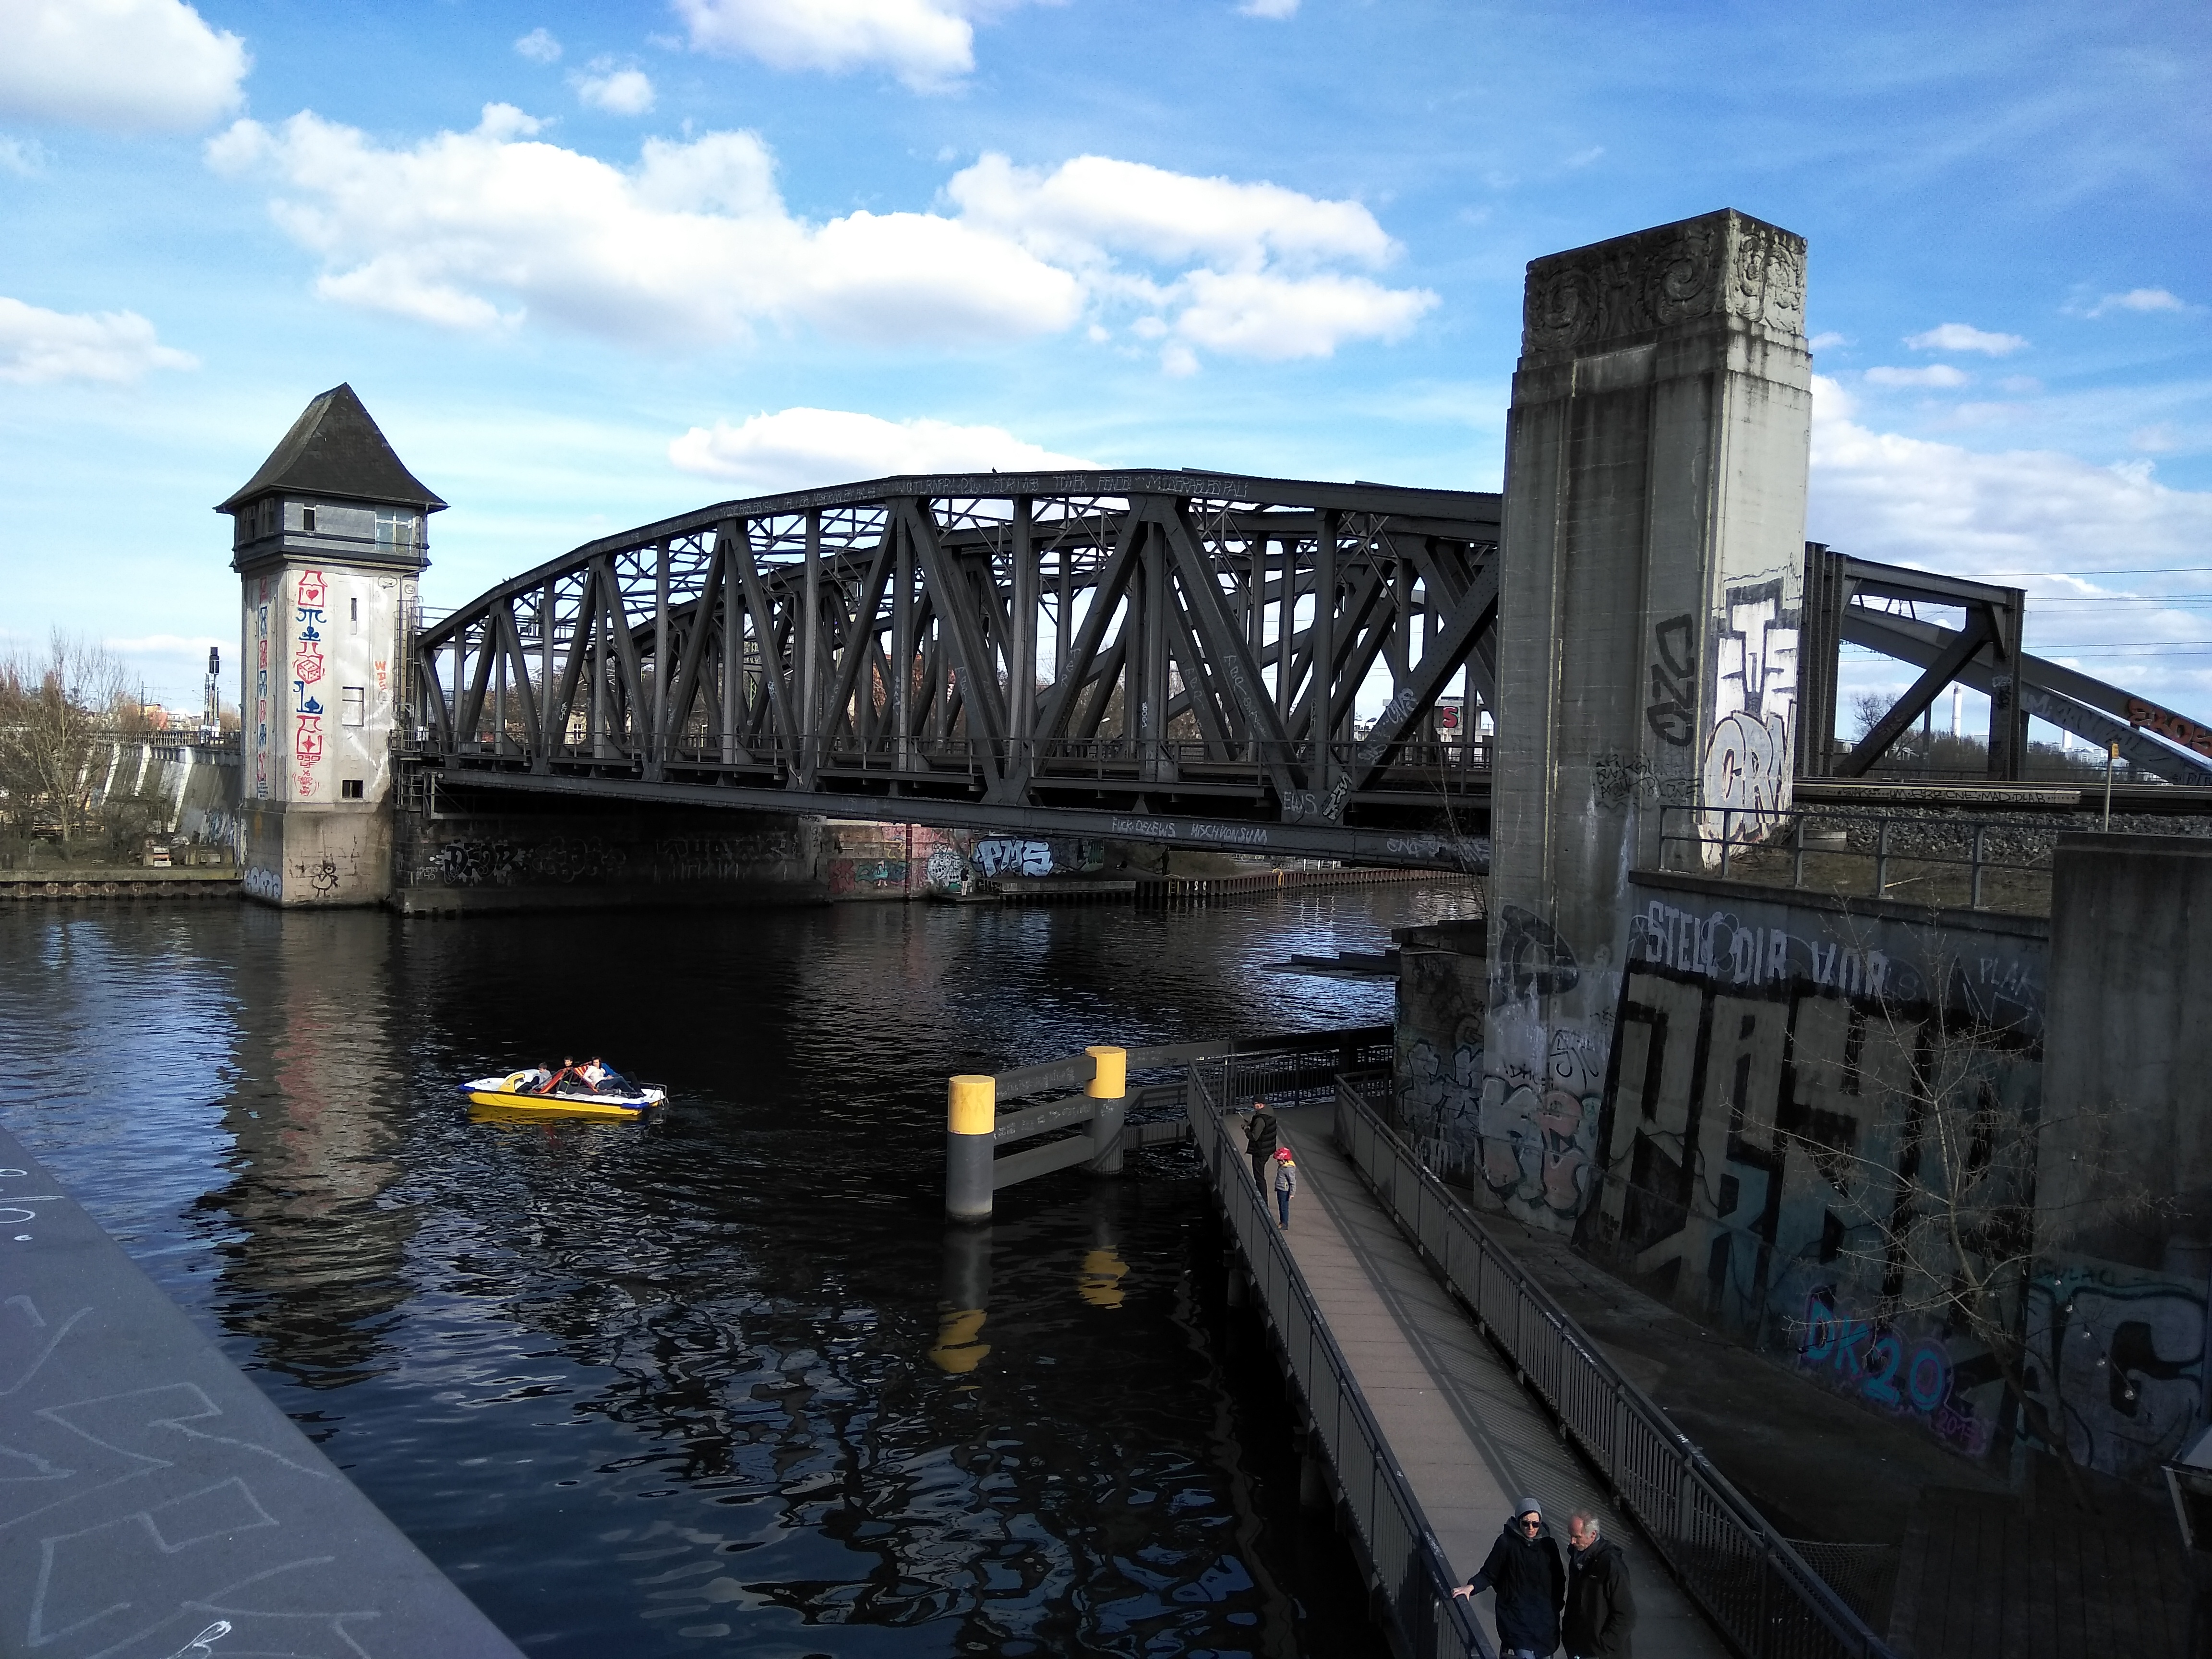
x=153, y=1502
x=1470, y=1440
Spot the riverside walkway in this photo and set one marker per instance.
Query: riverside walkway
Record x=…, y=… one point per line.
x=1467, y=1434
x=1440, y=1381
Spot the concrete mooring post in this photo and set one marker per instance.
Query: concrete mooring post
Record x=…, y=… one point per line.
x=1650, y=588
x=1110, y=1087
x=971, y=1147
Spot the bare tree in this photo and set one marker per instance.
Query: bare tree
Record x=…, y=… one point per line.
x=54, y=709
x=1951, y=1191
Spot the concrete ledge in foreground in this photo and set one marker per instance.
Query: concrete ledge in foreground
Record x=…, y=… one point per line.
x=150, y=1494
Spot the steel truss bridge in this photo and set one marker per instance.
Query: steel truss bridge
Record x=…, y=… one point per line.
x=1168, y=656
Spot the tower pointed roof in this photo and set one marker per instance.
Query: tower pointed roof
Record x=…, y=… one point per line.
x=335, y=449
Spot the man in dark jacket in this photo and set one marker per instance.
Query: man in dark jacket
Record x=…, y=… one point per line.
x=1601, y=1609
x=1261, y=1139
x=1525, y=1570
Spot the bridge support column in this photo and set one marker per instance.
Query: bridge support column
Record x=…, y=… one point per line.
x=1650, y=587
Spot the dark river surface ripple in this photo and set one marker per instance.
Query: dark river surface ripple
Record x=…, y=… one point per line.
x=670, y=1389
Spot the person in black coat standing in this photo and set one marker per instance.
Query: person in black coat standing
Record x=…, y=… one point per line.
x=1525, y=1570
x=1261, y=1137
x=1600, y=1607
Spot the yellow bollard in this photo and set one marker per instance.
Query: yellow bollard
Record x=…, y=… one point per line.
x=1111, y=1079
x=971, y=1115
x=1109, y=1083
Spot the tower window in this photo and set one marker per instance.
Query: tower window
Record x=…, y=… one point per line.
x=349, y=789
x=395, y=529
x=354, y=705
x=307, y=518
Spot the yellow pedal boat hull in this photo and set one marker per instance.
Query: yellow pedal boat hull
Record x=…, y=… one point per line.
x=493, y=1096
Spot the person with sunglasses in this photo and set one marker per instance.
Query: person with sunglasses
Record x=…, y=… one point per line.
x=1530, y=1581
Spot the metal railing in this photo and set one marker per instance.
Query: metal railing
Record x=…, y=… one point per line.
x=1985, y=862
x=1747, y=1579
x=1388, y=1529
x=500, y=733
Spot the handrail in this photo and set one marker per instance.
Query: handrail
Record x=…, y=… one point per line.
x=1078, y=1069
x=1407, y=1563
x=1748, y=1579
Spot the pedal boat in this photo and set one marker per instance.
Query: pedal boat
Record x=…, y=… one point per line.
x=506, y=1094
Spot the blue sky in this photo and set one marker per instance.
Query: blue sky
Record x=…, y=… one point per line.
x=589, y=265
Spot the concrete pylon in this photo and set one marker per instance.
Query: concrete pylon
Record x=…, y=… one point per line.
x=1651, y=586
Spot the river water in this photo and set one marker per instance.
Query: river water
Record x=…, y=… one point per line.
x=681, y=1388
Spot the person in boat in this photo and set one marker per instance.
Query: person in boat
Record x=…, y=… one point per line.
x=604, y=1080
x=553, y=1081
x=594, y=1073
x=535, y=1079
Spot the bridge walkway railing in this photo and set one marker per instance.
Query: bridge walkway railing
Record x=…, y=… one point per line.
x=1749, y=1581
x=1386, y=1527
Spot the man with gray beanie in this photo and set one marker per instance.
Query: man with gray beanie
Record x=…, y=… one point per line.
x=1525, y=1569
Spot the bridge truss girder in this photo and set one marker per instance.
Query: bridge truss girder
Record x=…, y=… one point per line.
x=1157, y=648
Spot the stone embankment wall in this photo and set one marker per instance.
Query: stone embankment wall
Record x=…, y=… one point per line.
x=1753, y=1099
x=482, y=853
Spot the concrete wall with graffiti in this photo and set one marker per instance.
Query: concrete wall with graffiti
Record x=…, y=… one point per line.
x=864, y=858
x=1758, y=1108
x=489, y=860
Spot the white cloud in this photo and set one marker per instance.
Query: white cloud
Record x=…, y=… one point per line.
x=1826, y=341
x=1934, y=505
x=1258, y=314
x=38, y=346
x=618, y=92
x=804, y=449
x=1274, y=9
x=1964, y=337
x=695, y=244
x=2139, y=299
x=1086, y=208
x=21, y=157
x=539, y=47
x=117, y=65
x=1940, y=506
x=927, y=44
x=1936, y=374
x=1257, y=287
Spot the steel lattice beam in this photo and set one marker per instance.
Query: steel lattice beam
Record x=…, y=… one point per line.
x=883, y=647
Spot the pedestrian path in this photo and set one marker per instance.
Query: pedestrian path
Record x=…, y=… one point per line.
x=1468, y=1438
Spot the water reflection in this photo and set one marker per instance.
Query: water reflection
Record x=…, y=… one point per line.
x=723, y=1381
x=315, y=1256
x=965, y=1303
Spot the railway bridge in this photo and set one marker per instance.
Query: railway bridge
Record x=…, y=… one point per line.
x=1635, y=628
x=1156, y=656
